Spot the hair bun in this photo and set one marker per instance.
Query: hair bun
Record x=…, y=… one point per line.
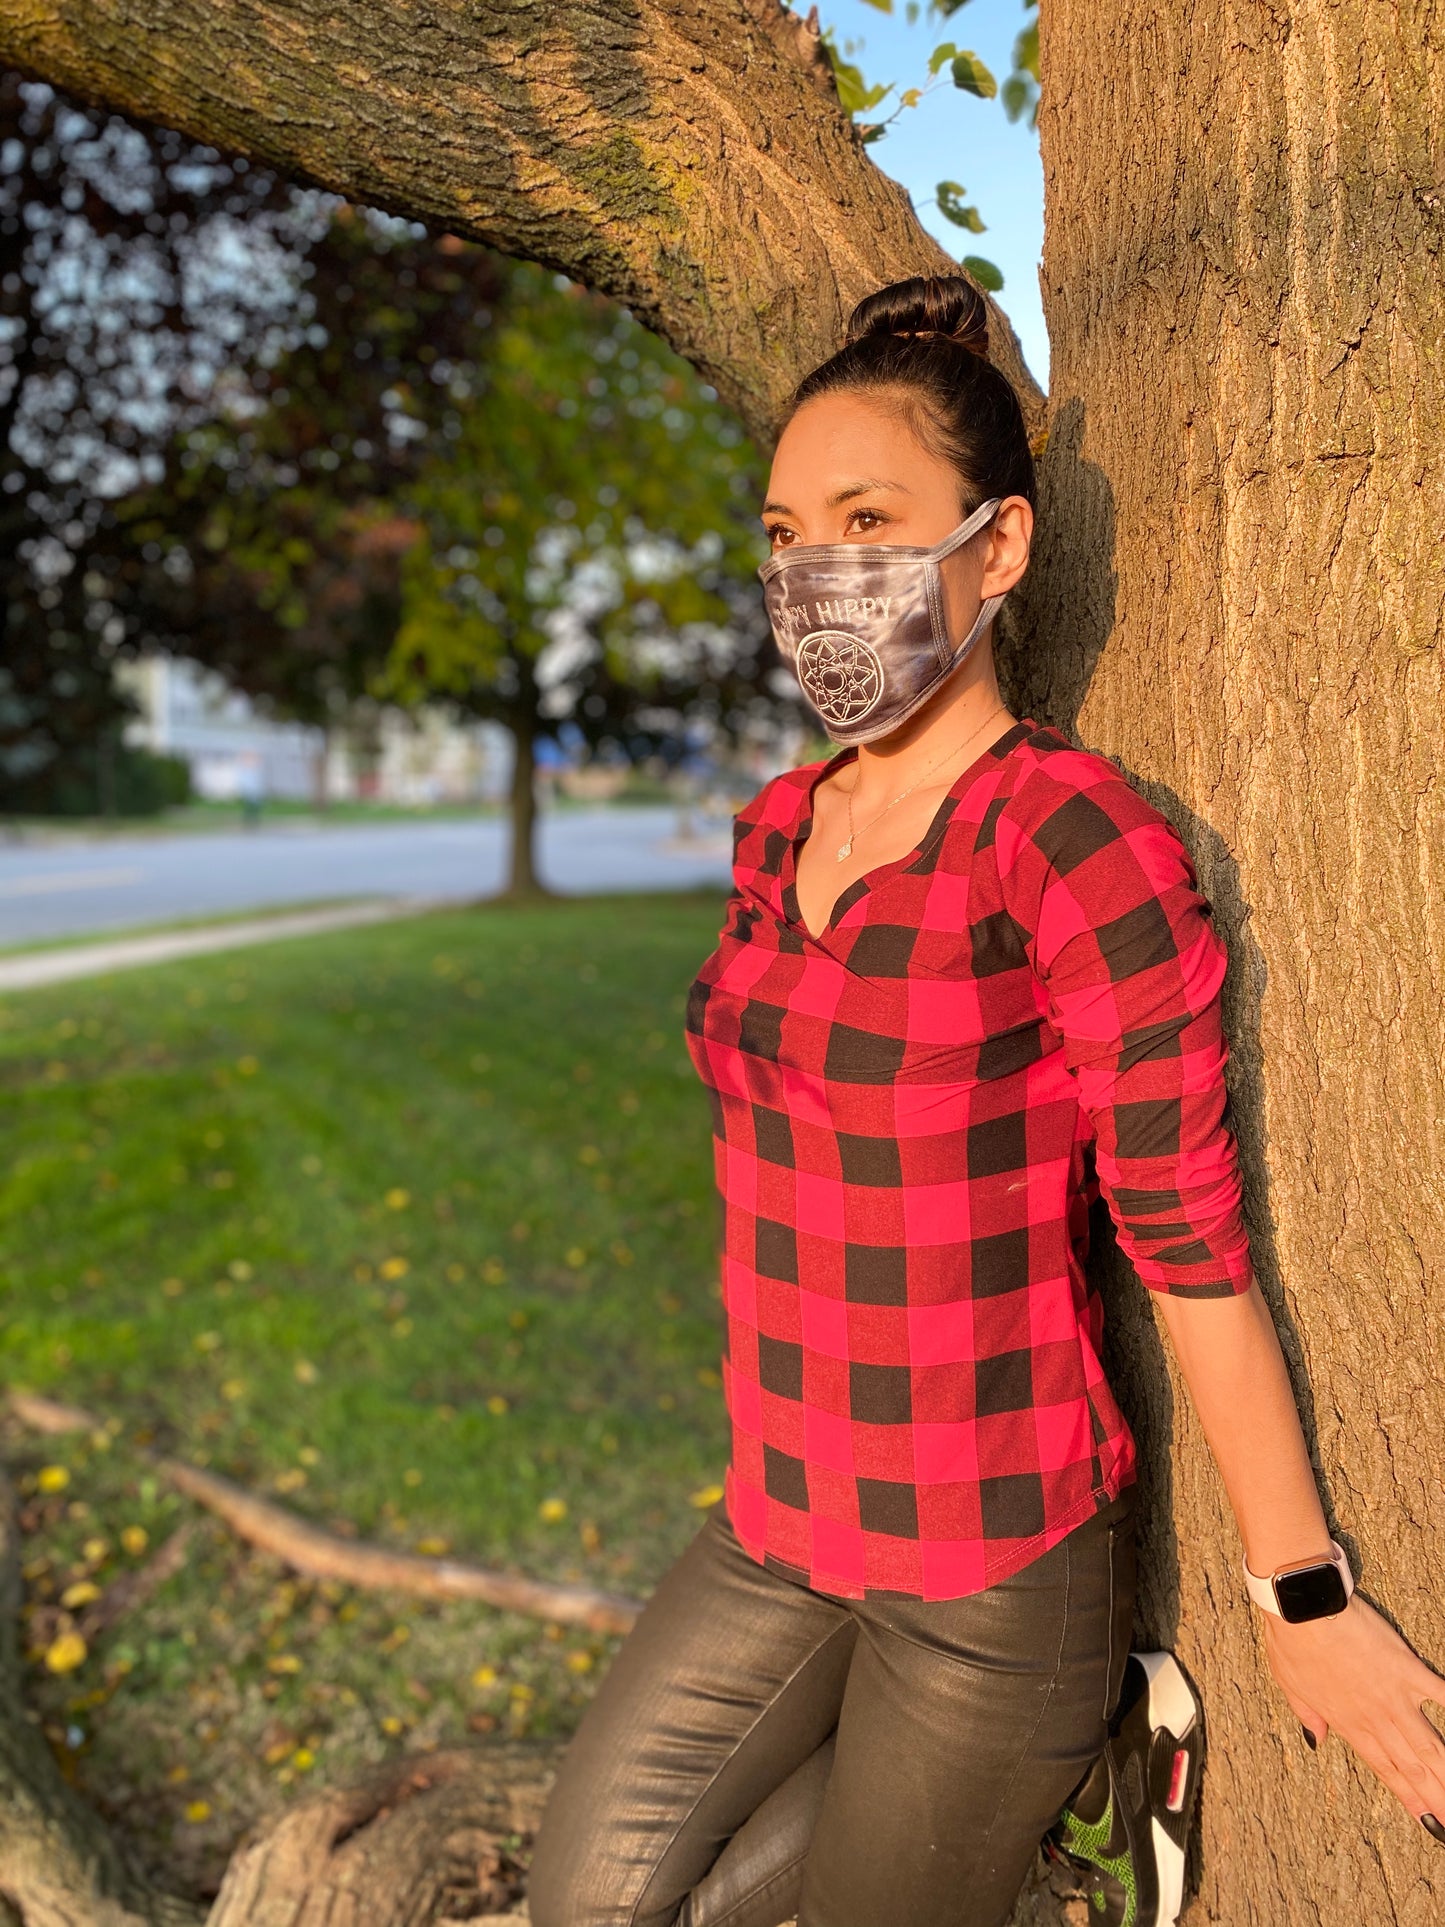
x=926, y=306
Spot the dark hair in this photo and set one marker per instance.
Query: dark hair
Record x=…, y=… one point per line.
x=923, y=344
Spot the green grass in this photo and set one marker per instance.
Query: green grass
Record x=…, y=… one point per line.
x=411, y=1226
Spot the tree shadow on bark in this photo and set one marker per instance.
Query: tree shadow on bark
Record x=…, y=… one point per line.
x=1069, y=607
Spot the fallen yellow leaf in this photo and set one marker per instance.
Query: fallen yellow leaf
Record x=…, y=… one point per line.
x=397, y=1199
x=80, y=1594
x=65, y=1653
x=197, y=1810
x=705, y=1495
x=135, y=1539
x=552, y=1509
x=53, y=1478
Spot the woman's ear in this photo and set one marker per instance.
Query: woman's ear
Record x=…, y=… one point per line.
x=1008, y=549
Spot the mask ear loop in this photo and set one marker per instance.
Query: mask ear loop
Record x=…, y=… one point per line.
x=966, y=530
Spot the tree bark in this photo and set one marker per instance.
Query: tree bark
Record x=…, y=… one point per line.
x=522, y=880
x=687, y=157
x=1239, y=594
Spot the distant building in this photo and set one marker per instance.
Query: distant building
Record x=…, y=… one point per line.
x=234, y=751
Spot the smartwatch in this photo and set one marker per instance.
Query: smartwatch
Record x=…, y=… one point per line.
x=1317, y=1589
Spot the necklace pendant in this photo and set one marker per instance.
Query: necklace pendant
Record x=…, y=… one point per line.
x=845, y=849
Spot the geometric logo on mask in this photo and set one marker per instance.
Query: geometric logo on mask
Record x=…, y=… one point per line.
x=841, y=674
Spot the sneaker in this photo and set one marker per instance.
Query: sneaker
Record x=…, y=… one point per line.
x=1125, y=1826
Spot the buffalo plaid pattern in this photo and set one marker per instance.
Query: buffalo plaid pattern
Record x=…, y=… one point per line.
x=912, y=1113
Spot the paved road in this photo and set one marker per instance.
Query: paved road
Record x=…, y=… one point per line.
x=116, y=883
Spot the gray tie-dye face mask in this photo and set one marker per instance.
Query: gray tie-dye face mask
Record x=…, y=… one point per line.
x=862, y=625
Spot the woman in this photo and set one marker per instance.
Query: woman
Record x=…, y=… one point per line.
x=965, y=980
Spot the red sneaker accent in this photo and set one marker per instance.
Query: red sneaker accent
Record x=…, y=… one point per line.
x=1178, y=1776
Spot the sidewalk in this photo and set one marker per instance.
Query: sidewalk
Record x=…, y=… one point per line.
x=36, y=967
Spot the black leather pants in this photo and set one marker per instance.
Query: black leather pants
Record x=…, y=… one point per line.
x=758, y=1749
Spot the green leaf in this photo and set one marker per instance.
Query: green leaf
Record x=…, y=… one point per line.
x=855, y=96
x=953, y=207
x=945, y=9
x=973, y=77
x=883, y=6
x=1016, y=94
x=941, y=56
x=1026, y=51
x=984, y=272
x=911, y=97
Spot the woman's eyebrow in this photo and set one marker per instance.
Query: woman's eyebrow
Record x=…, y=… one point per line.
x=843, y=495
x=862, y=488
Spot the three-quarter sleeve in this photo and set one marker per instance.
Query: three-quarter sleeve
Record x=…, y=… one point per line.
x=1125, y=947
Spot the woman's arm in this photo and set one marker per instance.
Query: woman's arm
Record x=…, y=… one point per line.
x=1352, y=1672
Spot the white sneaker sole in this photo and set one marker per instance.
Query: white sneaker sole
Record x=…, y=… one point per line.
x=1171, y=1705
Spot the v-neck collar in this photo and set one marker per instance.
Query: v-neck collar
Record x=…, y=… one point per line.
x=862, y=885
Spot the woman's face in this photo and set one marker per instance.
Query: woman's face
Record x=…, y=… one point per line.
x=849, y=470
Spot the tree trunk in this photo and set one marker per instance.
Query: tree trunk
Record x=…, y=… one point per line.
x=321, y=772
x=522, y=879
x=1240, y=597
x=687, y=157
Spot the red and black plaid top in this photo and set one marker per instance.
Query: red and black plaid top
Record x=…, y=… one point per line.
x=912, y=1113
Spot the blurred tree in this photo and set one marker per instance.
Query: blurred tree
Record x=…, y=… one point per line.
x=587, y=547
x=462, y=478
x=270, y=548
x=135, y=268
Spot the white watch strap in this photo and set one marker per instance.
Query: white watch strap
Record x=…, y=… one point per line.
x=1261, y=1591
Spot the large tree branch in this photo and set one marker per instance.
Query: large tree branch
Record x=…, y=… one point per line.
x=678, y=155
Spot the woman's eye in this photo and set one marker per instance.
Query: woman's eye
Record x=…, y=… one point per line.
x=779, y=534
x=866, y=520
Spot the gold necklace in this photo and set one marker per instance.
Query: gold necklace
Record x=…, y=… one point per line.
x=845, y=849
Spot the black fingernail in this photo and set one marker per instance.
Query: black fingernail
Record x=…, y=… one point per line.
x=1433, y=1827
x=1310, y=1741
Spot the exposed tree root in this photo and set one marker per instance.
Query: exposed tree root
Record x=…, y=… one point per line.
x=325, y=1555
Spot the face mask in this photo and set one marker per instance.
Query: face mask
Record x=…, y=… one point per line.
x=862, y=626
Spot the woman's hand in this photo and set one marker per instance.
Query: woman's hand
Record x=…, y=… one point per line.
x=1353, y=1672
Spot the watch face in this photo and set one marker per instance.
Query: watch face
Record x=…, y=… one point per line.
x=1314, y=1592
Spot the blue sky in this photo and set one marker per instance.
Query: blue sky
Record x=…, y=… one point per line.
x=954, y=137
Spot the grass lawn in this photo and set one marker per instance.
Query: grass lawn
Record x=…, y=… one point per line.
x=412, y=1226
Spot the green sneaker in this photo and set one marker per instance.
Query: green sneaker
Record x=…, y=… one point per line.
x=1126, y=1824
